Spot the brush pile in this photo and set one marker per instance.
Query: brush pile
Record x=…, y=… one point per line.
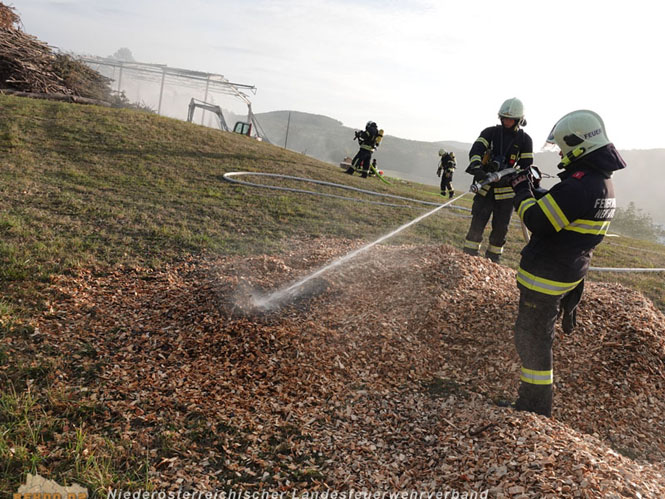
x=384, y=378
x=29, y=66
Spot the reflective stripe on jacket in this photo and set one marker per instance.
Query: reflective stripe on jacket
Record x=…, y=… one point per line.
x=512, y=147
x=567, y=223
x=368, y=141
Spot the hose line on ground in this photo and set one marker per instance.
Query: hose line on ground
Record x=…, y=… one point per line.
x=229, y=178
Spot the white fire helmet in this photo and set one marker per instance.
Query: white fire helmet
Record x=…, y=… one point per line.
x=512, y=108
x=577, y=134
x=442, y=152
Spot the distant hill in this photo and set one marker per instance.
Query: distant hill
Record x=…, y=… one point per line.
x=329, y=140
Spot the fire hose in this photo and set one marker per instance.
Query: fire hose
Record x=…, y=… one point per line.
x=475, y=187
x=229, y=178
x=493, y=177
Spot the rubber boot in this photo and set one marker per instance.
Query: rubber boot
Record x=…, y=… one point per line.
x=350, y=170
x=451, y=194
x=469, y=251
x=495, y=257
x=535, y=398
x=364, y=174
x=504, y=402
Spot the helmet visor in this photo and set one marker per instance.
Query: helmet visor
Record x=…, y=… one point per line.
x=550, y=144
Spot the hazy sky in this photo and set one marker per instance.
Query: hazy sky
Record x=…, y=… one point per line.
x=423, y=70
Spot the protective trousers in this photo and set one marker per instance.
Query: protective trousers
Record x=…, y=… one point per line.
x=446, y=185
x=361, y=162
x=534, y=336
x=500, y=211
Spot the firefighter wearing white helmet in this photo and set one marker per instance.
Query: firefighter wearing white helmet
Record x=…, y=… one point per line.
x=445, y=170
x=498, y=147
x=566, y=224
x=513, y=108
x=577, y=134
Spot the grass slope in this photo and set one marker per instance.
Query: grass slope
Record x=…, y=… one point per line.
x=85, y=186
x=96, y=188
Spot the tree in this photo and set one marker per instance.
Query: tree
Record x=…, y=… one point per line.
x=123, y=54
x=633, y=222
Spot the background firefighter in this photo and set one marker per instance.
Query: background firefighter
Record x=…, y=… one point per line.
x=566, y=224
x=369, y=139
x=445, y=170
x=497, y=148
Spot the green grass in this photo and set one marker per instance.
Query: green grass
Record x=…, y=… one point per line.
x=90, y=187
x=29, y=420
x=85, y=186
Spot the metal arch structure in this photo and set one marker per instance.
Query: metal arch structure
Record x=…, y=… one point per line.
x=165, y=75
x=194, y=103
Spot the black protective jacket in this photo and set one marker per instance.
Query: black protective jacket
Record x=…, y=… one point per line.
x=499, y=147
x=368, y=139
x=447, y=166
x=567, y=223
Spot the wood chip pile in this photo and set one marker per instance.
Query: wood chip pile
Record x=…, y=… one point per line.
x=8, y=18
x=382, y=376
x=31, y=66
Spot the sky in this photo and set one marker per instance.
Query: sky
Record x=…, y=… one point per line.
x=423, y=70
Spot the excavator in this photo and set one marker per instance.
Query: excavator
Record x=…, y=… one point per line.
x=250, y=128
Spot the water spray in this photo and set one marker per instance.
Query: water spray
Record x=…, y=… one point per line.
x=269, y=301
x=266, y=302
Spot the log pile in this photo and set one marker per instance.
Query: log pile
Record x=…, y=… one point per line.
x=384, y=377
x=30, y=66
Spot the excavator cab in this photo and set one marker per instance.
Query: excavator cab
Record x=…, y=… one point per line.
x=243, y=128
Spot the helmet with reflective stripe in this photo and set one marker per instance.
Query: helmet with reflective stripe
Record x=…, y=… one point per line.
x=512, y=108
x=370, y=124
x=577, y=134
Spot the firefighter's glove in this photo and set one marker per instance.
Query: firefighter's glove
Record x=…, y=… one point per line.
x=536, y=176
x=539, y=192
x=480, y=177
x=494, y=166
x=520, y=182
x=568, y=308
x=569, y=321
x=478, y=174
x=438, y=171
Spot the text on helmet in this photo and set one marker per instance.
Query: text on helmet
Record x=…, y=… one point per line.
x=592, y=133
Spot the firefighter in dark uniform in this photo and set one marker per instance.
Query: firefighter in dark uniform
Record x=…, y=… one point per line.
x=369, y=139
x=498, y=147
x=567, y=223
x=445, y=170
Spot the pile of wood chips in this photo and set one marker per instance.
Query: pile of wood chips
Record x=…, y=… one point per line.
x=30, y=66
x=9, y=19
x=381, y=375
